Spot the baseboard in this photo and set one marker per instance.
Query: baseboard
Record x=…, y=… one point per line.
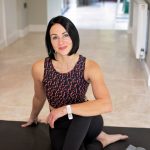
x=32, y=28
x=12, y=37
x=24, y=32
x=147, y=71
x=37, y=28
x=21, y=33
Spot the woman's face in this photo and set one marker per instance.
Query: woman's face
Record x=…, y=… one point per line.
x=60, y=39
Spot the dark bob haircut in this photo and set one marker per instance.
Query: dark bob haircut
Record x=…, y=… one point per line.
x=69, y=27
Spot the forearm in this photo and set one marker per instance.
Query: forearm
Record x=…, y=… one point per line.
x=37, y=105
x=92, y=107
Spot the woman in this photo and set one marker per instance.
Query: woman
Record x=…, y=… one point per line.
x=63, y=78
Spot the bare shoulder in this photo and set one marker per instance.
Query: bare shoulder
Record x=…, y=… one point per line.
x=38, y=64
x=38, y=70
x=91, y=66
x=92, y=69
x=91, y=63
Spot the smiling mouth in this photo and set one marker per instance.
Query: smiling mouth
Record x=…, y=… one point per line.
x=62, y=48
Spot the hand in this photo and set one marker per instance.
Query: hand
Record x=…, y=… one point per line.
x=55, y=114
x=31, y=122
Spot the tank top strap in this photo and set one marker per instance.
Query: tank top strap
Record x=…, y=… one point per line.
x=80, y=64
x=83, y=59
x=47, y=63
x=47, y=68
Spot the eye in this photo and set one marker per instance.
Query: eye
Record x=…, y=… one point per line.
x=54, y=38
x=66, y=35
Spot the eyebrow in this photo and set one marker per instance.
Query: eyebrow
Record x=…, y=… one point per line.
x=56, y=34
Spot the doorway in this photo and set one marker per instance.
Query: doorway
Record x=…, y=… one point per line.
x=99, y=14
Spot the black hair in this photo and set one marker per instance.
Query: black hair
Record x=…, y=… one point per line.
x=69, y=27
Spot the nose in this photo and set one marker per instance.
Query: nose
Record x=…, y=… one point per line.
x=60, y=41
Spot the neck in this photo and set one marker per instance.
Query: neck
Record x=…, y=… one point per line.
x=64, y=59
x=65, y=63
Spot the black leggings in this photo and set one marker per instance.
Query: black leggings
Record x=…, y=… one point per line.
x=77, y=134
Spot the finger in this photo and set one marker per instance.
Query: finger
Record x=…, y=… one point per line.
x=39, y=120
x=51, y=122
x=30, y=123
x=51, y=125
x=26, y=124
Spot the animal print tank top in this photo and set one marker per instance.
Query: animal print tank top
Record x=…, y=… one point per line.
x=65, y=88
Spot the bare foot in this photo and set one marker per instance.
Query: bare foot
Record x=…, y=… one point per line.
x=107, y=139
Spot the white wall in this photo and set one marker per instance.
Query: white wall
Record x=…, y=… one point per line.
x=53, y=8
x=16, y=21
x=8, y=22
x=11, y=20
x=148, y=51
x=22, y=17
x=37, y=15
x=130, y=16
x=2, y=41
x=147, y=60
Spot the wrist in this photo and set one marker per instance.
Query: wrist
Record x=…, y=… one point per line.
x=64, y=111
x=69, y=112
x=32, y=117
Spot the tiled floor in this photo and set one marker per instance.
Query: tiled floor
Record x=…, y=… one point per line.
x=124, y=76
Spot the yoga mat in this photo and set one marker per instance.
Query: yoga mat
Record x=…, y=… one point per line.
x=139, y=137
x=14, y=137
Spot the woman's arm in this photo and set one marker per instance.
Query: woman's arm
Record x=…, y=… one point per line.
x=102, y=103
x=39, y=94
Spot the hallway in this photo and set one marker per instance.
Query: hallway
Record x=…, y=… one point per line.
x=111, y=49
x=100, y=15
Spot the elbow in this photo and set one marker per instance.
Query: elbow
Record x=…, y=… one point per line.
x=109, y=107
x=39, y=98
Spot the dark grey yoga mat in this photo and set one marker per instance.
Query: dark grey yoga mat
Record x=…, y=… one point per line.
x=13, y=137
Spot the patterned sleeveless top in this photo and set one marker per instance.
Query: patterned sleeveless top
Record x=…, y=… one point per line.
x=65, y=88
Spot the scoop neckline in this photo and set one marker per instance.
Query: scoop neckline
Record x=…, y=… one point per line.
x=68, y=71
